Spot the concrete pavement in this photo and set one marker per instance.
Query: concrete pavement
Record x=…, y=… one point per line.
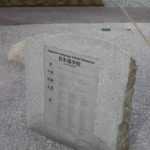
x=14, y=134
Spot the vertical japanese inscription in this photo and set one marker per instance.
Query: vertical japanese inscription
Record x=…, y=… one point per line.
x=70, y=92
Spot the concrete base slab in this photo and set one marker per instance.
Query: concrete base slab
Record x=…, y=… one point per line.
x=15, y=135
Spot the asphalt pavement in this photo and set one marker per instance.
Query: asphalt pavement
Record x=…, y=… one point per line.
x=49, y=15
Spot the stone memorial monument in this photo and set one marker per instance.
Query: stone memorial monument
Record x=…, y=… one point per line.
x=79, y=90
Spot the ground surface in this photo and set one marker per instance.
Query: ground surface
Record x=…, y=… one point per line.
x=13, y=132
x=17, y=16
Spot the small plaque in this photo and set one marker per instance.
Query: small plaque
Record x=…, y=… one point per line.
x=70, y=93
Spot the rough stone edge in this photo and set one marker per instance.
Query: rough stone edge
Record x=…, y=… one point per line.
x=16, y=53
x=123, y=137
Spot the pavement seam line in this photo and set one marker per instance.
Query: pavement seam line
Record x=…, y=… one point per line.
x=134, y=24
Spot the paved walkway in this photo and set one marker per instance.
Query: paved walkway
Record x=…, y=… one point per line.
x=48, y=15
x=13, y=132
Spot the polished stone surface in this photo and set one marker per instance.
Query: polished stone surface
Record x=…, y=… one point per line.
x=108, y=75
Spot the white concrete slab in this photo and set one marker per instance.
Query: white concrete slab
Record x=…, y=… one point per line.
x=12, y=121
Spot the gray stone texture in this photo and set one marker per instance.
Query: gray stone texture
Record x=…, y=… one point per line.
x=127, y=3
x=112, y=107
